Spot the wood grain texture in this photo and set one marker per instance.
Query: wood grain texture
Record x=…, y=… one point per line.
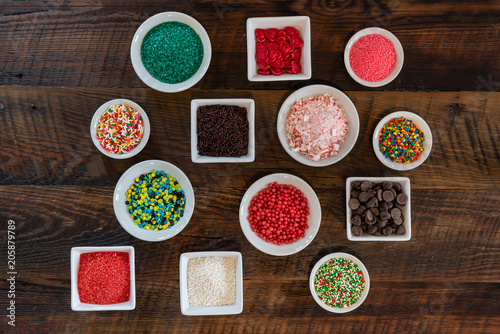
x=64, y=43
x=61, y=60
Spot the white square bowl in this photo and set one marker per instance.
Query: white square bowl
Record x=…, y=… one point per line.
x=406, y=212
x=76, y=304
x=302, y=24
x=186, y=309
x=249, y=104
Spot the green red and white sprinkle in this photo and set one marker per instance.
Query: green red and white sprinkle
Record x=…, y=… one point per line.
x=339, y=282
x=401, y=141
x=120, y=129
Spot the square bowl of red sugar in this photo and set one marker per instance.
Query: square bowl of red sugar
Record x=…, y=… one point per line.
x=102, y=278
x=279, y=48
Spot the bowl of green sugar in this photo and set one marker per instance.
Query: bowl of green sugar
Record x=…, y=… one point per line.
x=171, y=52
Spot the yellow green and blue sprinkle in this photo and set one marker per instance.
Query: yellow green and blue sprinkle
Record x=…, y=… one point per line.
x=401, y=141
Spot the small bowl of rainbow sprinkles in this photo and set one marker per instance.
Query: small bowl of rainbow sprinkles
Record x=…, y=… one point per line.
x=339, y=282
x=120, y=129
x=402, y=140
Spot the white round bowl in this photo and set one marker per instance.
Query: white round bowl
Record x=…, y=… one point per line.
x=95, y=123
x=352, y=118
x=314, y=219
x=128, y=179
x=135, y=51
x=397, y=47
x=421, y=125
x=363, y=294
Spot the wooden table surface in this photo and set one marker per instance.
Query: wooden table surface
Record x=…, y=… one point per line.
x=60, y=60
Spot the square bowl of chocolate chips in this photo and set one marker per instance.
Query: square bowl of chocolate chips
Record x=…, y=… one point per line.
x=378, y=209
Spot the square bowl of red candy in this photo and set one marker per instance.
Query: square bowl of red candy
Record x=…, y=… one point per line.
x=102, y=278
x=227, y=132
x=279, y=48
x=378, y=208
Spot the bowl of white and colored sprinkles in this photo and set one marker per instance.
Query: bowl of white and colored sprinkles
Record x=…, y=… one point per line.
x=318, y=125
x=211, y=283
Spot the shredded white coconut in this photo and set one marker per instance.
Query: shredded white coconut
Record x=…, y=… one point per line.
x=316, y=126
x=211, y=281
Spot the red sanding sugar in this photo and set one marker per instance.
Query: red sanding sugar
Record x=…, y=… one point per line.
x=372, y=57
x=104, y=278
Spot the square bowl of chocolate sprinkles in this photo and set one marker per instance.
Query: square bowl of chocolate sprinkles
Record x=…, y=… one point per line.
x=378, y=209
x=222, y=130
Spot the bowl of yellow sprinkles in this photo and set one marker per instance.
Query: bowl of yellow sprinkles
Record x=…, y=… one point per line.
x=120, y=128
x=339, y=282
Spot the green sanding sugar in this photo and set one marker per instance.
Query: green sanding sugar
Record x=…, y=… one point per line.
x=172, y=52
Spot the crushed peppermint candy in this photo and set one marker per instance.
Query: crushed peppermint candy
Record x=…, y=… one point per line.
x=120, y=129
x=316, y=126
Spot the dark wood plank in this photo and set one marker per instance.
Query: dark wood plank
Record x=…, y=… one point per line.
x=65, y=44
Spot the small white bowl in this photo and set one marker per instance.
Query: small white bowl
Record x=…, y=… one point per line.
x=345, y=102
x=397, y=47
x=406, y=212
x=76, y=304
x=95, y=123
x=186, y=309
x=314, y=218
x=135, y=51
x=421, y=125
x=301, y=23
x=249, y=104
x=363, y=294
x=128, y=179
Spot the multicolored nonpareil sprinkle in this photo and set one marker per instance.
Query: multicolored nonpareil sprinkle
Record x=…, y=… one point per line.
x=401, y=141
x=156, y=201
x=120, y=129
x=339, y=282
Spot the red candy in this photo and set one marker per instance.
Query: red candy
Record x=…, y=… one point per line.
x=278, y=214
x=277, y=51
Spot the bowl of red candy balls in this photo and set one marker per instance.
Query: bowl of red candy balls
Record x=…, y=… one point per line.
x=280, y=214
x=279, y=48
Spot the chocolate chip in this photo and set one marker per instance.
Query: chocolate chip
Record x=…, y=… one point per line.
x=377, y=233
x=371, y=229
x=393, y=191
x=387, y=230
x=395, y=213
x=383, y=206
x=356, y=231
x=372, y=193
x=400, y=230
x=356, y=220
x=375, y=211
x=398, y=221
x=364, y=197
x=384, y=214
x=397, y=186
x=388, y=196
x=390, y=205
x=381, y=222
x=355, y=193
x=369, y=215
x=401, y=199
x=355, y=184
x=365, y=185
x=379, y=195
x=387, y=185
x=353, y=203
x=359, y=211
x=373, y=203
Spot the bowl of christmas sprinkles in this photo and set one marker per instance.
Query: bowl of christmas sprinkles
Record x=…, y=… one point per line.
x=280, y=214
x=171, y=52
x=402, y=140
x=222, y=130
x=120, y=129
x=318, y=125
x=153, y=200
x=279, y=48
x=339, y=282
x=102, y=278
x=211, y=283
x=373, y=57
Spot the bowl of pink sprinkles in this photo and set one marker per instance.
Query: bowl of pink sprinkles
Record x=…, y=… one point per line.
x=373, y=57
x=318, y=125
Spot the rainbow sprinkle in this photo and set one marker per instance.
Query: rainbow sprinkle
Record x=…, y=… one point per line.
x=339, y=282
x=401, y=141
x=120, y=129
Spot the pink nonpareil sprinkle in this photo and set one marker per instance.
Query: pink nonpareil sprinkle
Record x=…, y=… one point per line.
x=316, y=126
x=372, y=57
